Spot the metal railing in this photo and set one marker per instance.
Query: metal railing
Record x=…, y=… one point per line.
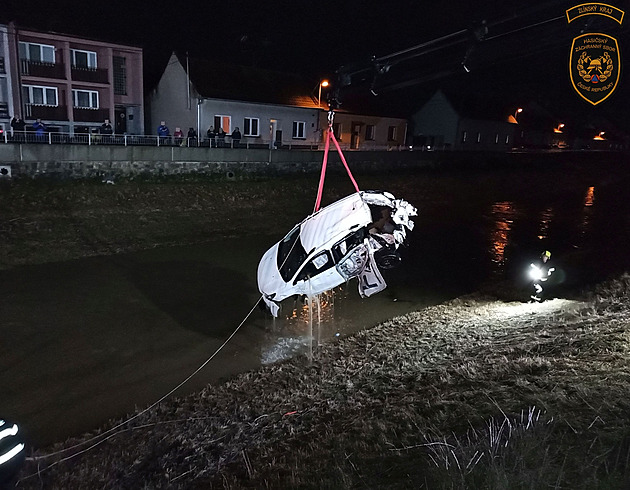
x=55, y=138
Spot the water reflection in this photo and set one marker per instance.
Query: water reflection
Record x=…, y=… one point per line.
x=587, y=213
x=545, y=221
x=503, y=214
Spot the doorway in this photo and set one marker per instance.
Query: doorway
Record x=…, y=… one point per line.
x=120, y=120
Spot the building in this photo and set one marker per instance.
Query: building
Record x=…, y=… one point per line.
x=271, y=109
x=73, y=84
x=6, y=95
x=462, y=123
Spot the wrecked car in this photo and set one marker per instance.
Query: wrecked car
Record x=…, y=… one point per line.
x=349, y=238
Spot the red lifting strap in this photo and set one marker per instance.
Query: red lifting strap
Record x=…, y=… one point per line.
x=331, y=136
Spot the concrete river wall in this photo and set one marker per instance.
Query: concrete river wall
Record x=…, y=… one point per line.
x=92, y=161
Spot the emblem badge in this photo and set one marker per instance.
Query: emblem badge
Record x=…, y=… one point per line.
x=595, y=66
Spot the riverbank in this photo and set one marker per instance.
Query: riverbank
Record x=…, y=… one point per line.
x=473, y=393
x=549, y=379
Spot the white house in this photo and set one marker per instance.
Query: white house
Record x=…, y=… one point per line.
x=270, y=109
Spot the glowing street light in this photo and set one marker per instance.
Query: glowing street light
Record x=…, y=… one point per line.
x=512, y=118
x=322, y=83
x=600, y=136
x=558, y=129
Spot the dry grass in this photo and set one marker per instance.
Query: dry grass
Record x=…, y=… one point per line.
x=475, y=393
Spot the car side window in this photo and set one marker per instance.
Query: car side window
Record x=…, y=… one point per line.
x=291, y=254
x=317, y=265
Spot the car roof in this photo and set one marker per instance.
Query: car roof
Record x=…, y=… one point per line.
x=334, y=222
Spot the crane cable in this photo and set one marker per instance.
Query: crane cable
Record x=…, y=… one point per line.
x=330, y=135
x=108, y=434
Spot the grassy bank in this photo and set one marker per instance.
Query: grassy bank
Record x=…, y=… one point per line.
x=476, y=393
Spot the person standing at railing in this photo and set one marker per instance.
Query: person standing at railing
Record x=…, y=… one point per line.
x=106, y=130
x=236, y=138
x=163, y=133
x=179, y=136
x=40, y=130
x=221, y=138
x=192, y=137
x=211, y=135
x=18, y=125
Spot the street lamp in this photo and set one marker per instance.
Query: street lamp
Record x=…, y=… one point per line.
x=322, y=83
x=558, y=129
x=512, y=118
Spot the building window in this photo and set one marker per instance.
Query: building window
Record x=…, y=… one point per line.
x=83, y=59
x=222, y=123
x=337, y=131
x=370, y=132
x=2, y=70
x=251, y=126
x=36, y=95
x=43, y=53
x=85, y=99
x=120, y=75
x=392, y=133
x=299, y=130
x=478, y=137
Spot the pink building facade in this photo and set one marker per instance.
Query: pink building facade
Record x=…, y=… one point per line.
x=72, y=84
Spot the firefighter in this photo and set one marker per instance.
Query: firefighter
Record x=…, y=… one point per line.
x=11, y=453
x=539, y=272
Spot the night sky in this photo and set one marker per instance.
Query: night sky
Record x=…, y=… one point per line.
x=524, y=56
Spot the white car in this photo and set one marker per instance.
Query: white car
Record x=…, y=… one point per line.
x=335, y=244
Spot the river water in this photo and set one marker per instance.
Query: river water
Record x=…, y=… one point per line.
x=91, y=339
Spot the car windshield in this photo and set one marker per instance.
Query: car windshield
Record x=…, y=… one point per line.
x=291, y=254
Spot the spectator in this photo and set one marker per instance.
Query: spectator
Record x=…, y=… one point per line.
x=211, y=135
x=163, y=133
x=236, y=138
x=106, y=130
x=18, y=125
x=40, y=130
x=192, y=137
x=179, y=136
x=220, y=138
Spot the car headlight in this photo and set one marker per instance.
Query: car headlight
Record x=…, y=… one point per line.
x=352, y=264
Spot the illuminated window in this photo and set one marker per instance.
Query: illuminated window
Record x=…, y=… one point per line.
x=464, y=136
